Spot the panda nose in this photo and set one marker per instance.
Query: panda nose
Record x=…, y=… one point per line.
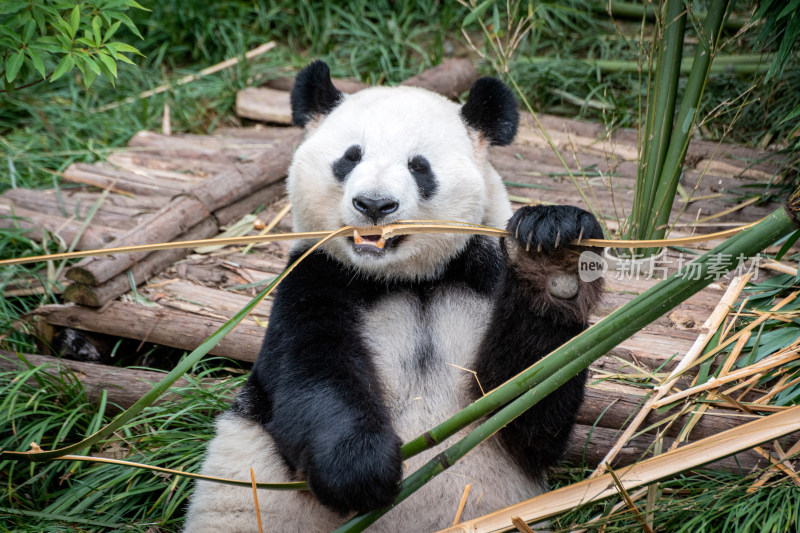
x=375, y=208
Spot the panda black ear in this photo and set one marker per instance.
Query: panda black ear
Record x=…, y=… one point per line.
x=492, y=110
x=313, y=94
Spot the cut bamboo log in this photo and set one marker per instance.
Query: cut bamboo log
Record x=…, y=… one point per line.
x=265, y=104
x=180, y=214
x=53, y=204
x=450, y=78
x=188, y=210
x=262, y=197
x=67, y=229
x=271, y=104
x=227, y=187
x=98, y=295
x=286, y=83
x=103, y=176
x=589, y=445
x=124, y=386
x=157, y=325
x=614, y=410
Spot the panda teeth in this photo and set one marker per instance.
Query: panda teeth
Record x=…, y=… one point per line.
x=359, y=240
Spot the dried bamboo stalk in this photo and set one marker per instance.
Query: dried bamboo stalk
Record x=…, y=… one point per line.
x=711, y=324
x=266, y=47
x=765, y=364
x=643, y=473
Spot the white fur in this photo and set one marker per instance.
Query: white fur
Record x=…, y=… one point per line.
x=392, y=125
x=453, y=323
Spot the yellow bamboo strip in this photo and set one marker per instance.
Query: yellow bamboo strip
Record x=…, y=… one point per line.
x=269, y=227
x=107, y=460
x=462, y=504
x=729, y=210
x=777, y=389
x=628, y=501
x=640, y=474
x=710, y=325
x=255, y=499
x=779, y=267
x=746, y=330
x=191, y=77
x=713, y=383
x=403, y=228
x=778, y=465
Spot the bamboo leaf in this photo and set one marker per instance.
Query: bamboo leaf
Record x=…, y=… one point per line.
x=13, y=65
x=64, y=66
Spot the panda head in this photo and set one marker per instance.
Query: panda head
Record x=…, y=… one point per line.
x=386, y=154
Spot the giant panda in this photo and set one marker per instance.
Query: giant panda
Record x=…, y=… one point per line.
x=373, y=341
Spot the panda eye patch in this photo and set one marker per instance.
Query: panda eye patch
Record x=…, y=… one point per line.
x=353, y=153
x=422, y=172
x=419, y=164
x=345, y=164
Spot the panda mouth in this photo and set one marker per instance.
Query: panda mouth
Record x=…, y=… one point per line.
x=373, y=244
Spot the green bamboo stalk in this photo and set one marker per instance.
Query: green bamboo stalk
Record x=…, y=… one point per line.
x=618, y=8
x=731, y=64
x=530, y=386
x=669, y=175
x=661, y=106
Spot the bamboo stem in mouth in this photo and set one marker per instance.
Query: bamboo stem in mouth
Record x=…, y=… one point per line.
x=410, y=227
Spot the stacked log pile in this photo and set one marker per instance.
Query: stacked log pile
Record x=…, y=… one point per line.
x=166, y=188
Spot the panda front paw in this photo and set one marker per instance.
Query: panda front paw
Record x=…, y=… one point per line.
x=544, y=228
x=358, y=472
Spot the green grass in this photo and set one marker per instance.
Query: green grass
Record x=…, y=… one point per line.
x=70, y=496
x=47, y=127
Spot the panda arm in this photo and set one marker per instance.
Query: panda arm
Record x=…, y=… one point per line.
x=528, y=322
x=321, y=396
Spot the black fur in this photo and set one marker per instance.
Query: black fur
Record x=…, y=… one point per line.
x=552, y=226
x=343, y=166
x=313, y=94
x=492, y=110
x=423, y=174
x=314, y=387
x=522, y=331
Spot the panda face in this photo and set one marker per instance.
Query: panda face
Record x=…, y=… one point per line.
x=384, y=155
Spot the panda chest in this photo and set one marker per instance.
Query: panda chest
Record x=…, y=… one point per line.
x=423, y=350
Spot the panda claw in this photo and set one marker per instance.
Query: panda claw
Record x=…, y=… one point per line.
x=558, y=239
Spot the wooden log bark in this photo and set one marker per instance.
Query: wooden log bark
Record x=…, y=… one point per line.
x=94, y=236
x=262, y=197
x=47, y=202
x=588, y=444
x=206, y=148
x=271, y=104
x=451, y=78
x=120, y=180
x=98, y=295
x=186, y=211
x=286, y=83
x=175, y=218
x=265, y=104
x=123, y=386
x=616, y=409
x=158, y=325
